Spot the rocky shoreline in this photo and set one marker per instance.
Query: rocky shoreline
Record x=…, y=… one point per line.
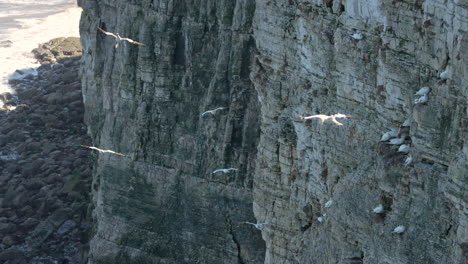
x=45, y=177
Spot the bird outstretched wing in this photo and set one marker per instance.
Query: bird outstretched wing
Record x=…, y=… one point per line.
x=132, y=41
x=107, y=33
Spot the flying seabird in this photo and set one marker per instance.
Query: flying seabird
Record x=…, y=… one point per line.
x=357, y=36
x=257, y=225
x=323, y=118
x=103, y=150
x=408, y=160
x=225, y=170
x=399, y=229
x=388, y=135
x=328, y=204
x=403, y=148
x=118, y=38
x=423, y=91
x=212, y=111
x=379, y=209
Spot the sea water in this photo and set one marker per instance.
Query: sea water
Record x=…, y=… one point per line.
x=24, y=24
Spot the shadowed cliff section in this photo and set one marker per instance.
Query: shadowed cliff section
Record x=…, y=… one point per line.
x=268, y=62
x=161, y=202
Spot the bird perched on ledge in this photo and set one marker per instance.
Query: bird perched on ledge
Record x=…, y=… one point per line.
x=103, y=150
x=118, y=38
x=323, y=118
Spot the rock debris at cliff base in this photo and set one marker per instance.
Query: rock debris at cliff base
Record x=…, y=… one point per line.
x=45, y=177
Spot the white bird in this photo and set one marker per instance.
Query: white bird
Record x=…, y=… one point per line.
x=357, y=36
x=388, y=135
x=396, y=141
x=118, y=38
x=379, y=209
x=213, y=111
x=320, y=219
x=444, y=74
x=408, y=160
x=103, y=150
x=423, y=91
x=225, y=170
x=257, y=225
x=421, y=99
x=404, y=148
x=399, y=229
x=323, y=118
x=407, y=123
x=328, y=204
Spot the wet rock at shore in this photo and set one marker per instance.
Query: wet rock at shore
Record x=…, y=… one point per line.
x=57, y=49
x=45, y=176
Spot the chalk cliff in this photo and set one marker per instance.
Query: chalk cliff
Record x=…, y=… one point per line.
x=268, y=62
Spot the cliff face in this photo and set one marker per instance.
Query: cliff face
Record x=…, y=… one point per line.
x=267, y=62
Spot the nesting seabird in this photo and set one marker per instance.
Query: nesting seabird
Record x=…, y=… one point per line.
x=423, y=91
x=103, y=150
x=396, y=141
x=224, y=170
x=388, y=135
x=257, y=225
x=323, y=118
x=421, y=99
x=408, y=160
x=213, y=111
x=399, y=229
x=357, y=36
x=328, y=204
x=444, y=74
x=404, y=148
x=379, y=209
x=118, y=38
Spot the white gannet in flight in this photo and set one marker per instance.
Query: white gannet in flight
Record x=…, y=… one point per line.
x=103, y=150
x=213, y=111
x=257, y=225
x=118, y=38
x=357, y=36
x=399, y=229
x=323, y=118
x=421, y=99
x=388, y=135
x=225, y=170
x=423, y=91
x=328, y=204
x=396, y=141
x=404, y=148
x=408, y=160
x=379, y=209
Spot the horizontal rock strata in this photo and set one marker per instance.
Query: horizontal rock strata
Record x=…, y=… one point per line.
x=268, y=62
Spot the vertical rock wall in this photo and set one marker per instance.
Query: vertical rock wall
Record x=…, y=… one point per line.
x=269, y=61
x=308, y=63
x=161, y=203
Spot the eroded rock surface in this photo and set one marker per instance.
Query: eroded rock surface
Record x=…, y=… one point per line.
x=268, y=62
